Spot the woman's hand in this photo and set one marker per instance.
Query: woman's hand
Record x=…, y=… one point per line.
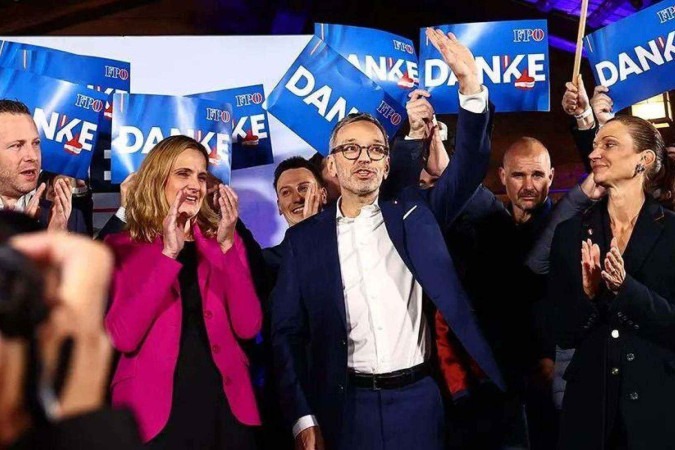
x=615, y=271
x=590, y=268
x=229, y=214
x=175, y=226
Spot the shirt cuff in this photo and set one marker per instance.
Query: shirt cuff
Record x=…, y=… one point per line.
x=475, y=103
x=121, y=214
x=303, y=423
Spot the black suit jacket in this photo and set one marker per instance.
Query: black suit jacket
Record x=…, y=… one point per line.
x=624, y=365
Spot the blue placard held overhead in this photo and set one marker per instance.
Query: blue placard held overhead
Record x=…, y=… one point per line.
x=251, y=140
x=101, y=74
x=67, y=118
x=387, y=59
x=141, y=121
x=512, y=61
x=321, y=88
x=634, y=57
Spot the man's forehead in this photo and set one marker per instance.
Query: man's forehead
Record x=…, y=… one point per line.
x=533, y=156
x=295, y=176
x=362, y=129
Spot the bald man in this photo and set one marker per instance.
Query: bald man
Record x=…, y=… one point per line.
x=489, y=243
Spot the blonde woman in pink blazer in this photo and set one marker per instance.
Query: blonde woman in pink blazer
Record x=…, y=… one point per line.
x=182, y=298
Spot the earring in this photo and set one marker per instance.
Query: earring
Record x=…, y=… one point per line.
x=639, y=168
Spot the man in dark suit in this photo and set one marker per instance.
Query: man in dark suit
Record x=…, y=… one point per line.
x=350, y=335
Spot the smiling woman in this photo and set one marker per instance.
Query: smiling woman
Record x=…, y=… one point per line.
x=617, y=307
x=182, y=298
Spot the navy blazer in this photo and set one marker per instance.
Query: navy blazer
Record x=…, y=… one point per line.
x=309, y=327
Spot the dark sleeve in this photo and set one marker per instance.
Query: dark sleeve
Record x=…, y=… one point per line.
x=482, y=203
x=584, y=142
x=256, y=262
x=77, y=223
x=105, y=429
x=85, y=204
x=573, y=313
x=651, y=315
x=574, y=202
x=112, y=226
x=290, y=335
x=406, y=163
x=469, y=165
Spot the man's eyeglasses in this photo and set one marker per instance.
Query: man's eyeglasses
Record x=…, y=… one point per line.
x=375, y=152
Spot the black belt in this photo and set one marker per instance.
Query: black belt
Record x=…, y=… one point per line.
x=391, y=380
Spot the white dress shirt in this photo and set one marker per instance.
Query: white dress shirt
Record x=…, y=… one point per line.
x=383, y=301
x=21, y=203
x=386, y=328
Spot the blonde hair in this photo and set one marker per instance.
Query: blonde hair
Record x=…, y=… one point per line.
x=147, y=205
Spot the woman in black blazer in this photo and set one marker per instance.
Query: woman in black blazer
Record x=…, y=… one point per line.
x=612, y=285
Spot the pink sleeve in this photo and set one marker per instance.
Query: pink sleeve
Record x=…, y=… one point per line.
x=141, y=289
x=241, y=299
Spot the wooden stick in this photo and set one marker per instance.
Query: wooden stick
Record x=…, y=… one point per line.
x=580, y=41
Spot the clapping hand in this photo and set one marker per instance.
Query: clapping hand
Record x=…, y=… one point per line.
x=175, y=227
x=590, y=268
x=229, y=214
x=615, y=271
x=459, y=58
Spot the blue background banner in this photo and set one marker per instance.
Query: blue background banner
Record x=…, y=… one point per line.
x=101, y=74
x=251, y=140
x=387, y=59
x=141, y=121
x=512, y=59
x=634, y=56
x=320, y=88
x=66, y=114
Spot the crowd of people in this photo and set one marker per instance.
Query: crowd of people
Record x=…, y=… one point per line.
x=406, y=308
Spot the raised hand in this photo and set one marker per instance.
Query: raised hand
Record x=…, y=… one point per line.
x=62, y=206
x=459, y=58
x=174, y=228
x=592, y=190
x=309, y=439
x=602, y=104
x=229, y=214
x=33, y=208
x=590, y=268
x=615, y=271
x=575, y=100
x=420, y=112
x=314, y=199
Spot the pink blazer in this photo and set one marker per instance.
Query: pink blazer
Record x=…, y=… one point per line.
x=144, y=322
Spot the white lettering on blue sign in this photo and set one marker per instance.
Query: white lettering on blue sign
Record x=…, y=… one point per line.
x=58, y=128
x=385, y=69
x=438, y=73
x=131, y=139
x=302, y=84
x=660, y=52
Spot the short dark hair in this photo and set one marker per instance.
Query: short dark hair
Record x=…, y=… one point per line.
x=13, y=107
x=296, y=162
x=356, y=117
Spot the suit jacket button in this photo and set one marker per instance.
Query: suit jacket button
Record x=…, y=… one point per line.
x=636, y=327
x=614, y=371
x=630, y=356
x=633, y=396
x=341, y=388
x=615, y=334
x=344, y=342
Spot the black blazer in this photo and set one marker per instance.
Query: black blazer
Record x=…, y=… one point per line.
x=624, y=365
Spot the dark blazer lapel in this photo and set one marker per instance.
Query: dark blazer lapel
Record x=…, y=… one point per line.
x=329, y=258
x=392, y=212
x=647, y=231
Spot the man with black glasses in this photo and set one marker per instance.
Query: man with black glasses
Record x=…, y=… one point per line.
x=351, y=339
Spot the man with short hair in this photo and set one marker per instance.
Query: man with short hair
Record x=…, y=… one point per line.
x=350, y=331
x=20, y=164
x=490, y=242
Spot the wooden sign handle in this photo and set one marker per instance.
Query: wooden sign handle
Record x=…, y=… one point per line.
x=580, y=41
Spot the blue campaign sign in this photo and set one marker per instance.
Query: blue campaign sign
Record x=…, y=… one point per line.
x=387, y=59
x=67, y=118
x=141, y=121
x=320, y=88
x=251, y=140
x=634, y=56
x=101, y=74
x=512, y=60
